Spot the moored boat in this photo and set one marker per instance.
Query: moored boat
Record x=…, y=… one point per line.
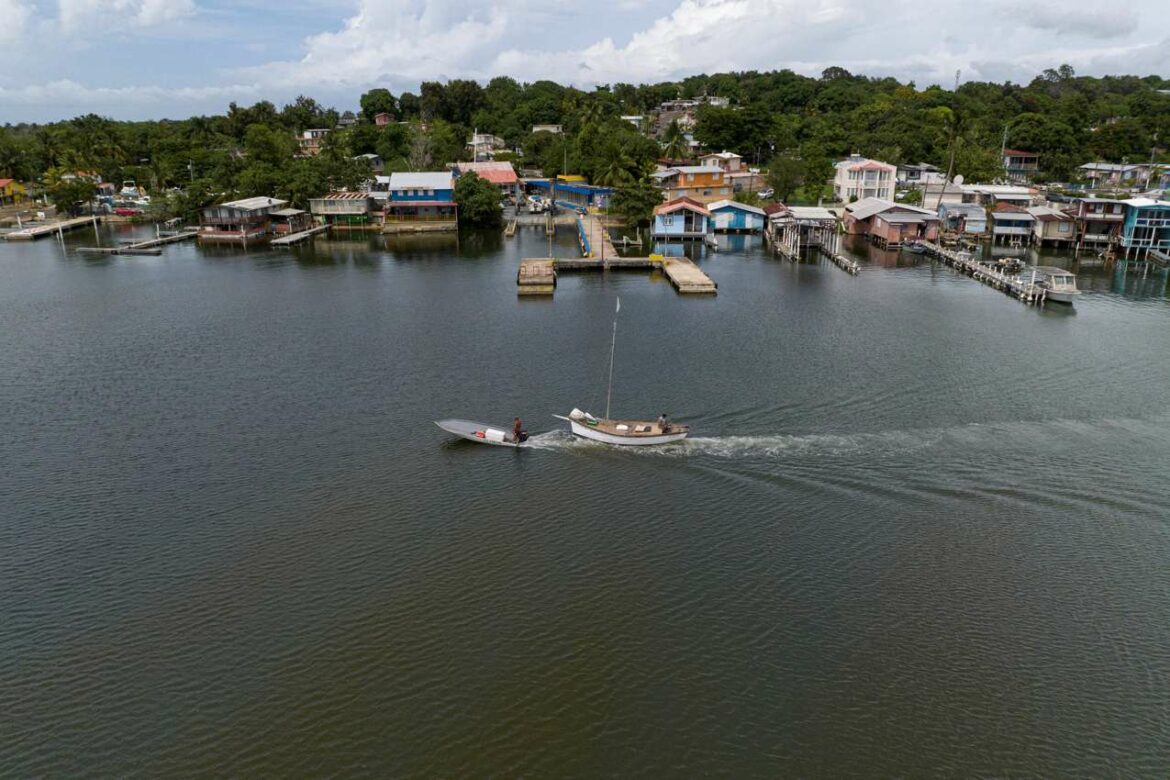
x=1058, y=284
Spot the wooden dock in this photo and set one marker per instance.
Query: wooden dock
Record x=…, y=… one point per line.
x=537, y=276
x=1014, y=285
x=40, y=231
x=510, y=230
x=296, y=238
x=149, y=246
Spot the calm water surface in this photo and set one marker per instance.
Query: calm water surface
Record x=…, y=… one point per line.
x=922, y=529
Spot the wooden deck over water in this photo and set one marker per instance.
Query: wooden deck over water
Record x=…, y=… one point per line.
x=150, y=246
x=40, y=231
x=296, y=238
x=538, y=276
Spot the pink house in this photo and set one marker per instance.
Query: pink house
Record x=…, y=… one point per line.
x=890, y=224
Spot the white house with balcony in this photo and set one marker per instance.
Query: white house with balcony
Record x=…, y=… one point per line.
x=860, y=177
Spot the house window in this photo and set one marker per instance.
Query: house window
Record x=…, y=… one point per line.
x=706, y=192
x=1063, y=227
x=668, y=220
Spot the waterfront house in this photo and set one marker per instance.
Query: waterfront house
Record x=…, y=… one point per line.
x=310, y=141
x=571, y=192
x=290, y=220
x=702, y=183
x=1098, y=221
x=420, y=202
x=1146, y=229
x=1020, y=165
x=239, y=221
x=1011, y=225
x=934, y=194
x=681, y=218
x=968, y=219
x=858, y=178
x=732, y=217
x=798, y=227
x=890, y=223
x=994, y=195
x=730, y=162
x=1052, y=226
x=346, y=210
x=501, y=174
x=12, y=192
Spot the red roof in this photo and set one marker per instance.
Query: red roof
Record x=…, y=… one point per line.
x=774, y=208
x=6, y=182
x=1018, y=153
x=682, y=203
x=495, y=172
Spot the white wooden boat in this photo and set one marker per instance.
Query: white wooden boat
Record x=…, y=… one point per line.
x=482, y=433
x=1059, y=285
x=626, y=432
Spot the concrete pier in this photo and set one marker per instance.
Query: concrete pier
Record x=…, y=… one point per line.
x=150, y=246
x=1015, y=285
x=40, y=231
x=296, y=238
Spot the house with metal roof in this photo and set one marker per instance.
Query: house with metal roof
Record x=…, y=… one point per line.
x=889, y=223
x=1052, y=226
x=1020, y=165
x=702, y=183
x=969, y=219
x=244, y=221
x=1146, y=230
x=501, y=174
x=681, y=218
x=733, y=217
x=730, y=162
x=571, y=194
x=420, y=201
x=1098, y=220
x=346, y=210
x=1011, y=225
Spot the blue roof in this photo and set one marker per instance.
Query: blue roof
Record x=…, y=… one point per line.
x=580, y=189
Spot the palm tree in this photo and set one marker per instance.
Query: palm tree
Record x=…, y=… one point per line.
x=675, y=141
x=616, y=168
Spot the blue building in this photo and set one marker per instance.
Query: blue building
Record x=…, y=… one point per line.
x=419, y=201
x=730, y=216
x=1146, y=228
x=572, y=195
x=682, y=218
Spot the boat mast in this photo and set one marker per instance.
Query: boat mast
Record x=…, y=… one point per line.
x=612, y=346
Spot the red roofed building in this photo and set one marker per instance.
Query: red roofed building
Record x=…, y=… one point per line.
x=11, y=192
x=859, y=177
x=501, y=174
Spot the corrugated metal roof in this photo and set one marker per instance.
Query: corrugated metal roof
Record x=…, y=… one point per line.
x=867, y=207
x=251, y=204
x=727, y=203
x=287, y=212
x=1017, y=215
x=1045, y=214
x=429, y=180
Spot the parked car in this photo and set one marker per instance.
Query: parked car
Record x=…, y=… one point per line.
x=767, y=192
x=126, y=211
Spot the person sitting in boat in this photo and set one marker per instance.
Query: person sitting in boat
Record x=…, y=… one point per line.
x=518, y=433
x=664, y=423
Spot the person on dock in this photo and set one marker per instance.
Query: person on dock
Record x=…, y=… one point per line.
x=663, y=423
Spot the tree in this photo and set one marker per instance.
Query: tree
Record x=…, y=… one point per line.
x=675, y=142
x=785, y=175
x=635, y=202
x=265, y=144
x=377, y=101
x=69, y=193
x=479, y=201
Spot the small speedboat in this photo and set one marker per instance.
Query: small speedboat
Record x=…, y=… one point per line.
x=914, y=248
x=482, y=433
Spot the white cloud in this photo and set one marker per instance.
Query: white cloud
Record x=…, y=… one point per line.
x=77, y=96
x=14, y=15
x=1062, y=18
x=87, y=15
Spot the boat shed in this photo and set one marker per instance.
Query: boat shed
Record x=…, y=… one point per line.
x=248, y=219
x=733, y=217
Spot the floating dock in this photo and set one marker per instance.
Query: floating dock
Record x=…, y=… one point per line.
x=40, y=231
x=296, y=238
x=150, y=246
x=1014, y=285
x=538, y=276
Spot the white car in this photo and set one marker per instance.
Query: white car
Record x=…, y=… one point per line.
x=767, y=192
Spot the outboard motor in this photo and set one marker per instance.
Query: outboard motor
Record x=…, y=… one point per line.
x=523, y=437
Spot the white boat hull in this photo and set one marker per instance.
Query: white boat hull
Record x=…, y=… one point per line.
x=1061, y=296
x=477, y=432
x=589, y=432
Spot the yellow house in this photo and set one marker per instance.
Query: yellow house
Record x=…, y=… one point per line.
x=11, y=192
x=702, y=183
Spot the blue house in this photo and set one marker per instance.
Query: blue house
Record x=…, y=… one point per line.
x=1146, y=228
x=419, y=201
x=733, y=217
x=682, y=218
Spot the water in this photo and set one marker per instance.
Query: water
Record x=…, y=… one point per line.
x=921, y=529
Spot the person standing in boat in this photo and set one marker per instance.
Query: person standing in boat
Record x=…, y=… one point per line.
x=663, y=423
x=517, y=428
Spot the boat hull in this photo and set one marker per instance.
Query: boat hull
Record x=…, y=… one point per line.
x=589, y=432
x=1061, y=296
x=468, y=429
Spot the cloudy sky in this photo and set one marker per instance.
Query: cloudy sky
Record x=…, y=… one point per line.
x=173, y=58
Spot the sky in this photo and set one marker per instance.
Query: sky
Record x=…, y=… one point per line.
x=151, y=59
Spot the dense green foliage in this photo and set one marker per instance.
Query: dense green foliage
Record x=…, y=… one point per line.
x=1067, y=119
x=635, y=202
x=479, y=201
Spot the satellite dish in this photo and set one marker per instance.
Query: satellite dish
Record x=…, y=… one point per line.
x=958, y=179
